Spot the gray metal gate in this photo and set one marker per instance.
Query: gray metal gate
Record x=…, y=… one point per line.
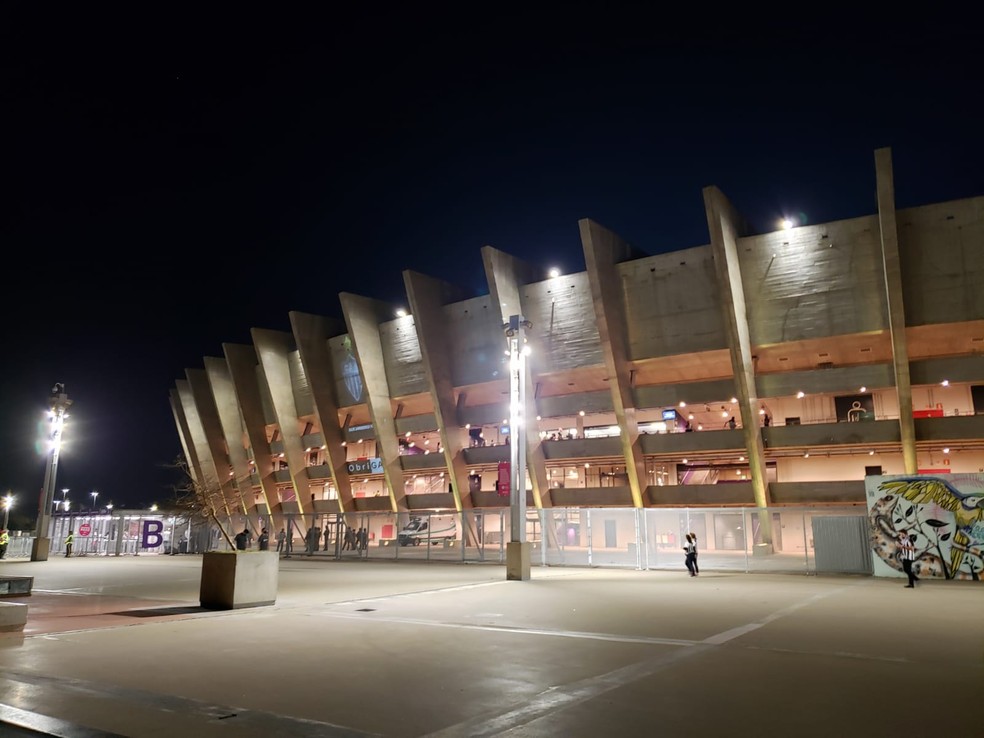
x=841, y=544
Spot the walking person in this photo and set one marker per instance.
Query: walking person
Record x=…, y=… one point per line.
x=688, y=549
x=908, y=543
x=693, y=540
x=4, y=540
x=242, y=539
x=280, y=540
x=264, y=540
x=68, y=543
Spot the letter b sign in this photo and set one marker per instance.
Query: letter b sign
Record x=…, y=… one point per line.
x=152, y=537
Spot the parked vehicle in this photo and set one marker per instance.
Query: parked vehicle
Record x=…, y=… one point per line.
x=424, y=528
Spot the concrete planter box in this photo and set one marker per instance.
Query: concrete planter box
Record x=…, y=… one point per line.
x=16, y=586
x=13, y=617
x=235, y=579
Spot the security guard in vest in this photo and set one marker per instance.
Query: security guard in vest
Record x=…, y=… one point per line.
x=68, y=543
x=4, y=540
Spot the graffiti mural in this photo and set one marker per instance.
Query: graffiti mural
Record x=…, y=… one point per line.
x=945, y=514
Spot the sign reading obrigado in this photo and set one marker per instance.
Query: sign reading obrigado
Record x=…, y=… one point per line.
x=365, y=466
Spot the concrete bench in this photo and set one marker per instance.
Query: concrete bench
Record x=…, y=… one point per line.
x=13, y=617
x=16, y=586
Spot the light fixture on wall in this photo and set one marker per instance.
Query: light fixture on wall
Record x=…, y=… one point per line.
x=800, y=395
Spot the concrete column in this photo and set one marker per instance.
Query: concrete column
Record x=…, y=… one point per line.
x=896, y=310
x=220, y=383
x=603, y=250
x=311, y=332
x=272, y=349
x=428, y=296
x=243, y=370
x=184, y=435
x=208, y=473
x=362, y=317
x=208, y=414
x=725, y=226
x=506, y=275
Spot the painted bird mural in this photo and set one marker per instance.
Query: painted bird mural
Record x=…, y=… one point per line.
x=967, y=507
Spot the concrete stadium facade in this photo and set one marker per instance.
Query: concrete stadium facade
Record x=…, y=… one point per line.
x=839, y=349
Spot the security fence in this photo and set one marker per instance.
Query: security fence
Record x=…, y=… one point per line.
x=736, y=539
x=781, y=539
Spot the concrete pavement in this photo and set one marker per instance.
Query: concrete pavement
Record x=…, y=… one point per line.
x=356, y=648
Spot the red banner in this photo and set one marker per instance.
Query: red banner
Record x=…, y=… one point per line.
x=504, y=474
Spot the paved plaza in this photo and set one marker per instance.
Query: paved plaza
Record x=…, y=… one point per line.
x=407, y=649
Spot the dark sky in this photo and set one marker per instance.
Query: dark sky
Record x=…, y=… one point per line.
x=172, y=178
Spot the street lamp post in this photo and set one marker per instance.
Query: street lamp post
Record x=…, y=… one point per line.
x=8, y=502
x=518, y=548
x=58, y=404
x=94, y=496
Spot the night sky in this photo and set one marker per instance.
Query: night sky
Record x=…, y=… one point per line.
x=172, y=178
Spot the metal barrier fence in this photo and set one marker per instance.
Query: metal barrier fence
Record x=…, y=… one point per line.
x=728, y=538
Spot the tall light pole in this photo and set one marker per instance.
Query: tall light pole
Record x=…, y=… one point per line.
x=8, y=502
x=58, y=404
x=518, y=548
x=94, y=496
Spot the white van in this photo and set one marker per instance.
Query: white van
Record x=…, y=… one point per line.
x=433, y=528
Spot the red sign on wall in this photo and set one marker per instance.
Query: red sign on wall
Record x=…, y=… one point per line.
x=85, y=529
x=504, y=474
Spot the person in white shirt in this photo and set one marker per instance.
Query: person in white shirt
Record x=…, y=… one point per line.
x=908, y=544
x=689, y=549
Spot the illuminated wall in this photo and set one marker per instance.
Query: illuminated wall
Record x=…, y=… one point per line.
x=946, y=515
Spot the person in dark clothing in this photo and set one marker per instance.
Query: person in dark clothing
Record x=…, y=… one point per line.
x=693, y=540
x=242, y=539
x=688, y=549
x=313, y=536
x=264, y=540
x=908, y=543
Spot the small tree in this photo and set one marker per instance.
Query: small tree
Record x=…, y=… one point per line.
x=198, y=500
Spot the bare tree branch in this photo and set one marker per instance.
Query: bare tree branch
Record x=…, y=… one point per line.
x=198, y=499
